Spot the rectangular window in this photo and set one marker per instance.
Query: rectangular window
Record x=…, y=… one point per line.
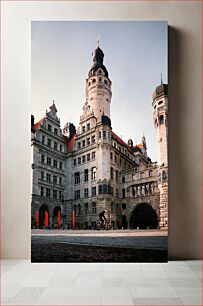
x=55, y=179
x=88, y=141
x=99, y=134
x=48, y=161
x=88, y=126
x=104, y=134
x=42, y=159
x=56, y=131
x=88, y=157
x=79, y=145
x=60, y=165
x=42, y=175
x=94, y=191
x=83, y=129
x=77, y=178
x=93, y=138
x=141, y=175
x=116, y=159
x=75, y=162
x=79, y=160
x=93, y=155
x=55, y=163
x=150, y=173
x=48, y=177
x=94, y=208
x=43, y=139
x=77, y=194
x=123, y=192
x=55, y=145
x=93, y=173
x=111, y=156
x=42, y=191
x=83, y=143
x=83, y=158
x=86, y=192
x=117, y=193
x=49, y=127
x=49, y=142
x=111, y=173
x=55, y=194
x=123, y=179
x=60, y=180
x=48, y=192
x=61, y=147
x=117, y=177
x=112, y=191
x=60, y=194
x=86, y=175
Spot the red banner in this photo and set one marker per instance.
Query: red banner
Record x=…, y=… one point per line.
x=46, y=221
x=73, y=219
x=37, y=218
x=59, y=218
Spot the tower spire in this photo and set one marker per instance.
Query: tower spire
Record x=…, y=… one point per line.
x=161, y=78
x=98, y=41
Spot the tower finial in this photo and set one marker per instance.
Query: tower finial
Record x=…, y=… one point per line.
x=161, y=78
x=98, y=41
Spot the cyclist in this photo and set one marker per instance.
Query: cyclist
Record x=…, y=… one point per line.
x=102, y=218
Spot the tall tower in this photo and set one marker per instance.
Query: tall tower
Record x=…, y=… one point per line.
x=98, y=86
x=160, y=117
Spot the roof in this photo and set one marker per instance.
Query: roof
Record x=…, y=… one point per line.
x=117, y=138
x=160, y=90
x=71, y=143
x=37, y=125
x=140, y=145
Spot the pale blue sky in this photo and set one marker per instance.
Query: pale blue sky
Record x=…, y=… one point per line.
x=135, y=53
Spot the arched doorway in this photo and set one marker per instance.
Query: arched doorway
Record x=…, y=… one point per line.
x=42, y=211
x=56, y=211
x=124, y=222
x=143, y=216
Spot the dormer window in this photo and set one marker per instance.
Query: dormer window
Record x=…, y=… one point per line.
x=100, y=79
x=94, y=81
x=100, y=71
x=160, y=102
x=105, y=81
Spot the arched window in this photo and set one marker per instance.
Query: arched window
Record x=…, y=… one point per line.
x=89, y=83
x=161, y=119
x=99, y=71
x=164, y=176
x=123, y=206
x=156, y=122
x=94, y=80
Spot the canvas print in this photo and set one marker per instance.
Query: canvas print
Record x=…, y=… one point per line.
x=99, y=139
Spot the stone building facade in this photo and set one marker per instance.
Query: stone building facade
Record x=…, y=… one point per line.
x=91, y=169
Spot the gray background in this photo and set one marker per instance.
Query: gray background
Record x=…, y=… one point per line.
x=185, y=80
